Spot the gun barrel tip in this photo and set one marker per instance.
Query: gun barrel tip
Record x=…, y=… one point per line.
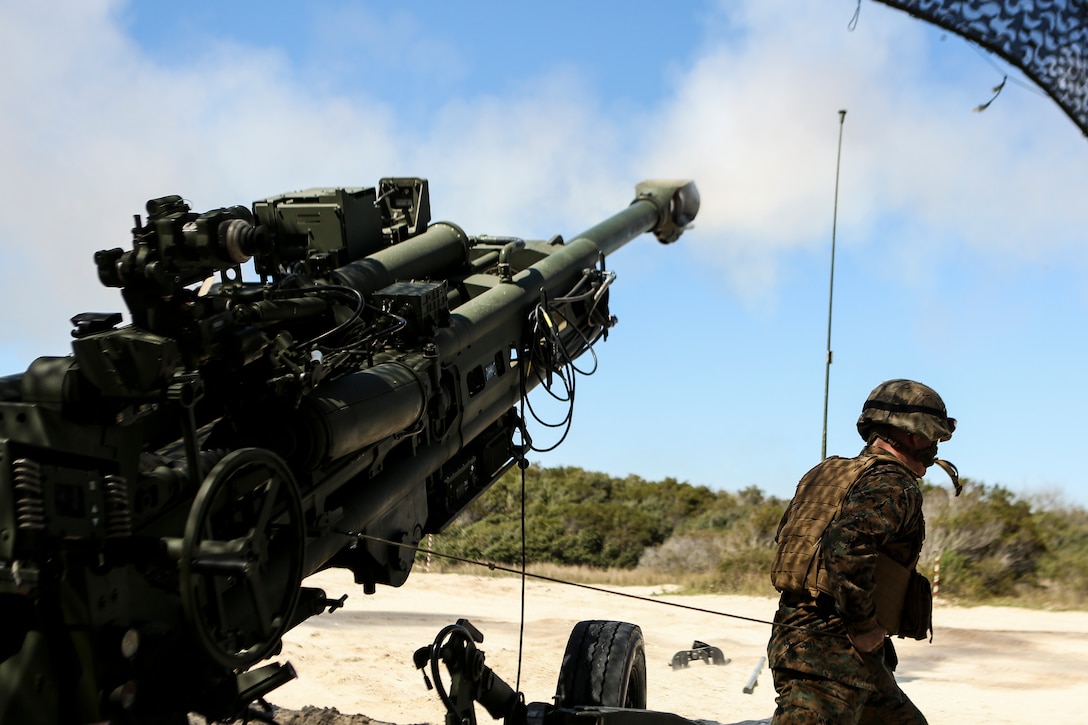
x=677, y=202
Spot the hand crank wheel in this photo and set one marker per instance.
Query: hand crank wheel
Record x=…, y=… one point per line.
x=242, y=557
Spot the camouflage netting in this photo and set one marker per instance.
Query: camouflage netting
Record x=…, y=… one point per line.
x=1047, y=39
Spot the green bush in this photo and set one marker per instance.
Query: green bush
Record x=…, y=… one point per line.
x=746, y=572
x=992, y=544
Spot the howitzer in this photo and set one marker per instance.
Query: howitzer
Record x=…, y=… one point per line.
x=165, y=488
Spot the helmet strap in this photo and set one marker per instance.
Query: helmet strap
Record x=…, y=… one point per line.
x=926, y=455
x=953, y=473
x=921, y=456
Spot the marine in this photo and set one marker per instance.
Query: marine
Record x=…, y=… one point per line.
x=848, y=547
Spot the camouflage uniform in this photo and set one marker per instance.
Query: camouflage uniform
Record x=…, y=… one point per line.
x=819, y=676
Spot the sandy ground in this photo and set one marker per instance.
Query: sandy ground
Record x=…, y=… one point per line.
x=985, y=664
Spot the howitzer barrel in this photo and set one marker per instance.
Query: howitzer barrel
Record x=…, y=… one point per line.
x=361, y=408
x=495, y=321
x=662, y=207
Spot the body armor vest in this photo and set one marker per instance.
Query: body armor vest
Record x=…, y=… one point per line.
x=798, y=566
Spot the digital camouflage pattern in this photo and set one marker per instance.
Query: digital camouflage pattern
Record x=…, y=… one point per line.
x=1047, y=39
x=810, y=653
x=826, y=702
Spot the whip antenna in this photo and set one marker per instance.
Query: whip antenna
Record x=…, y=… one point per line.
x=831, y=286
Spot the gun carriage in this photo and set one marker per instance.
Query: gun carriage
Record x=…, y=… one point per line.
x=165, y=488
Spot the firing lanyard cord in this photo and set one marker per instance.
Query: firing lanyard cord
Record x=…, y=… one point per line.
x=523, y=463
x=590, y=587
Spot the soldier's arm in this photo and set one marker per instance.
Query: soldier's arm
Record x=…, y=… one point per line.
x=873, y=512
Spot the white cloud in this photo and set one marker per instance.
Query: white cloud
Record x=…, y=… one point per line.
x=524, y=164
x=109, y=127
x=98, y=127
x=756, y=123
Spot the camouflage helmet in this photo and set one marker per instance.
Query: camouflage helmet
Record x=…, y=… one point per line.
x=909, y=406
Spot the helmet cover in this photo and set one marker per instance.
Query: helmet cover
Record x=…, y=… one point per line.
x=909, y=406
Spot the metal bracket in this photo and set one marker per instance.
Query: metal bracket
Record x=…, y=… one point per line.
x=699, y=651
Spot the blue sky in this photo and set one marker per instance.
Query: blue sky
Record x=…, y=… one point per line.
x=960, y=251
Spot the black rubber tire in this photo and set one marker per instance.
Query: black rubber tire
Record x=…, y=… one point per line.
x=604, y=665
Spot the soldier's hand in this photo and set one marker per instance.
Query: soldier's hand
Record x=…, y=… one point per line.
x=868, y=641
